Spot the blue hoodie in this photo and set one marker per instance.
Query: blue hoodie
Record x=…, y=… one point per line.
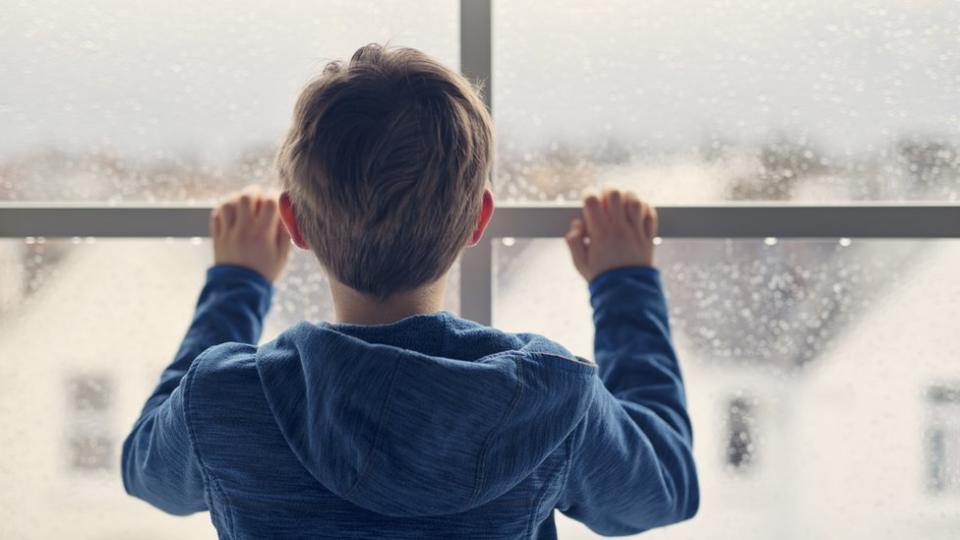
x=429, y=427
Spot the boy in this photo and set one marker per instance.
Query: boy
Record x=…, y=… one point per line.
x=400, y=420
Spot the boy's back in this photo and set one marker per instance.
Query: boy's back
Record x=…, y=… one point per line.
x=427, y=425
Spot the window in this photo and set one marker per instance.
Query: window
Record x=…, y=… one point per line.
x=696, y=101
x=943, y=440
x=89, y=410
x=741, y=446
x=75, y=387
x=90, y=393
x=106, y=101
x=803, y=361
x=805, y=156
x=90, y=452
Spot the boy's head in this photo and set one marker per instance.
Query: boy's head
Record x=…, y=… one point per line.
x=385, y=166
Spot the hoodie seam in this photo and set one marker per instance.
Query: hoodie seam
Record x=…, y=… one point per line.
x=542, y=495
x=481, y=466
x=212, y=482
x=569, y=460
x=580, y=366
x=384, y=418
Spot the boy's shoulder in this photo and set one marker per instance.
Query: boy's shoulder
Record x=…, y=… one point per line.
x=492, y=341
x=224, y=370
x=545, y=351
x=228, y=370
x=227, y=357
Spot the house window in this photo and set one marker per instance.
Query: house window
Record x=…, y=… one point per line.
x=90, y=452
x=89, y=446
x=942, y=444
x=740, y=435
x=90, y=393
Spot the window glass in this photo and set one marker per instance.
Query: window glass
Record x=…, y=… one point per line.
x=693, y=101
x=822, y=377
x=112, y=100
x=86, y=327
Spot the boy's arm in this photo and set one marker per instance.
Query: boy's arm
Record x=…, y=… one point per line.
x=631, y=466
x=159, y=462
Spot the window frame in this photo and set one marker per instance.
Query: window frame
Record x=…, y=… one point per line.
x=728, y=220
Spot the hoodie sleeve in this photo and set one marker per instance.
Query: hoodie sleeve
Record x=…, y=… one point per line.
x=631, y=468
x=159, y=462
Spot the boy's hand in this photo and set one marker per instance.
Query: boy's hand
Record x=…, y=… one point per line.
x=246, y=231
x=615, y=230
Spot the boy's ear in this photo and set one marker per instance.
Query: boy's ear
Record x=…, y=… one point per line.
x=486, y=212
x=288, y=215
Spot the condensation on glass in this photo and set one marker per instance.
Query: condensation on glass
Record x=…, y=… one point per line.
x=86, y=326
x=822, y=377
x=693, y=101
x=173, y=101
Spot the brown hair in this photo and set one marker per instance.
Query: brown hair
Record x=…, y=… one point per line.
x=386, y=163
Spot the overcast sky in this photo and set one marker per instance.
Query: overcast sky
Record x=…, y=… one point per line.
x=841, y=71
x=156, y=78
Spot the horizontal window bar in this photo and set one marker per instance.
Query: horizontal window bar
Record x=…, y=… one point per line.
x=735, y=220
x=739, y=220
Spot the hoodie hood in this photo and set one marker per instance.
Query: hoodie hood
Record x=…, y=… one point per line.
x=430, y=415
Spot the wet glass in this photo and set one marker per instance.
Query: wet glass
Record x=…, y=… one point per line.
x=173, y=101
x=698, y=101
x=822, y=378
x=86, y=327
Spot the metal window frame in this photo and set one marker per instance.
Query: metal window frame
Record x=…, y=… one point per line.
x=725, y=220
x=733, y=220
x=728, y=220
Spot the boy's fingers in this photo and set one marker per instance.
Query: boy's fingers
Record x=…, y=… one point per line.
x=268, y=210
x=574, y=238
x=642, y=225
x=228, y=215
x=593, y=215
x=245, y=207
x=631, y=207
x=215, y=223
x=614, y=204
x=649, y=214
x=651, y=221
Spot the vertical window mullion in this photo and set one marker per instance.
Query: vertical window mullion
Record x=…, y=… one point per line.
x=476, y=53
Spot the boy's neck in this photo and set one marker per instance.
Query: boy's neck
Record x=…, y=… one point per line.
x=354, y=307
